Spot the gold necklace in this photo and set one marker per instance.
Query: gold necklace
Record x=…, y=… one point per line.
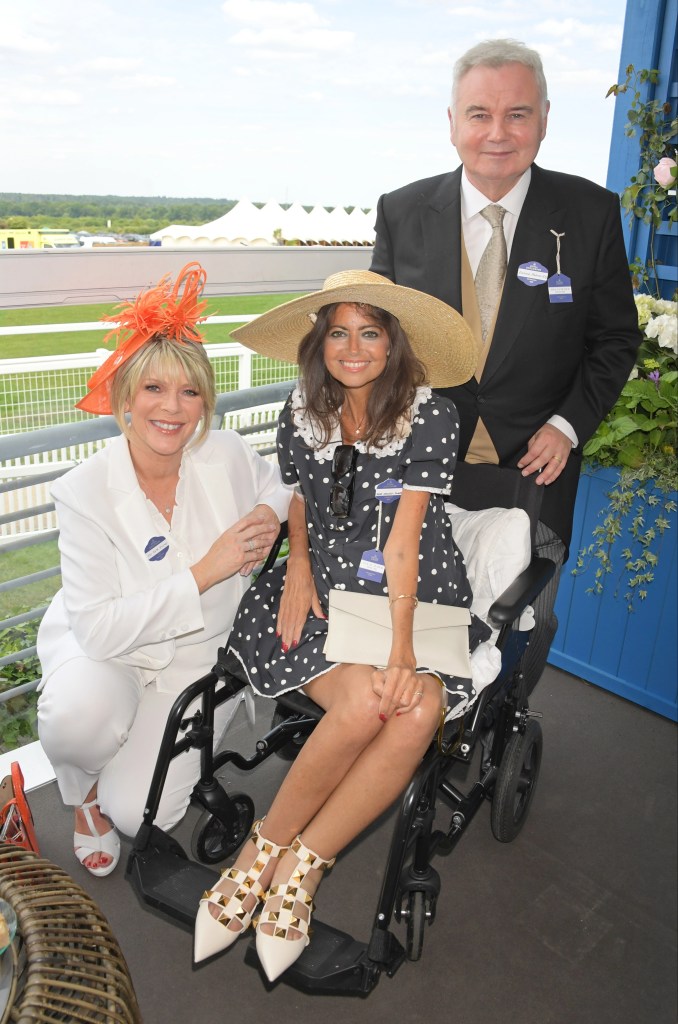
x=357, y=427
x=163, y=505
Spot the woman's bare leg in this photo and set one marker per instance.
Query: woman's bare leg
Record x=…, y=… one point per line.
x=350, y=723
x=368, y=786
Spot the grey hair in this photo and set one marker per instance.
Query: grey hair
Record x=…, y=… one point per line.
x=495, y=53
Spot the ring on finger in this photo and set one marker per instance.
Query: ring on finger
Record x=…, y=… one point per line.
x=556, y=458
x=251, y=544
x=418, y=693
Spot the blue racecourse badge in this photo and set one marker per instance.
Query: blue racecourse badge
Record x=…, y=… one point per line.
x=156, y=549
x=560, y=288
x=371, y=566
x=532, y=274
x=388, y=491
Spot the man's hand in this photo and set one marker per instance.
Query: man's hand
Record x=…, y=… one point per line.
x=547, y=452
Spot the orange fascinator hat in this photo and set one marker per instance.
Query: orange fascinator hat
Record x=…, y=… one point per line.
x=165, y=311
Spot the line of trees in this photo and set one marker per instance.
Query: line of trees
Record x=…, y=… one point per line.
x=127, y=214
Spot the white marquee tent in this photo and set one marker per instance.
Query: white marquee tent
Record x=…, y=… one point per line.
x=247, y=224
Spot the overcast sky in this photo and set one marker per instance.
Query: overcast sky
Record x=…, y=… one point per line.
x=327, y=101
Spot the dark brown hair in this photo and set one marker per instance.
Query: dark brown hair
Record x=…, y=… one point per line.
x=393, y=392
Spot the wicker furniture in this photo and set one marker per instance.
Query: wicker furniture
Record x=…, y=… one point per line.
x=68, y=964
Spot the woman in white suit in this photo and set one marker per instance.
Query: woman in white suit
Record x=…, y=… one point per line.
x=158, y=534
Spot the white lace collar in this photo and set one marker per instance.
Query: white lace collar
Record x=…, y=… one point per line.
x=305, y=428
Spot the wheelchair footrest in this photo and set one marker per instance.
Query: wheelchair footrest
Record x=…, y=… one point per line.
x=164, y=878
x=334, y=963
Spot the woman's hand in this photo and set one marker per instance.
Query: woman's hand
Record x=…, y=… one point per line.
x=243, y=545
x=299, y=596
x=261, y=549
x=399, y=688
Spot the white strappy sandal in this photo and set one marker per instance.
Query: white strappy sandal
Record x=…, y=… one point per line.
x=212, y=934
x=85, y=845
x=278, y=951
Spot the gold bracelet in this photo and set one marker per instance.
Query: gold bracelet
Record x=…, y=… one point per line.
x=411, y=597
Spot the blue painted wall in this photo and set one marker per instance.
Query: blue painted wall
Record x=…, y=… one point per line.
x=633, y=654
x=650, y=35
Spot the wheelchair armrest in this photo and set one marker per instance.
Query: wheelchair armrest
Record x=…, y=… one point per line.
x=293, y=700
x=275, y=550
x=513, y=601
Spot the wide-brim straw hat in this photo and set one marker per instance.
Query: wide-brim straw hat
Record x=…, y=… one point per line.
x=439, y=335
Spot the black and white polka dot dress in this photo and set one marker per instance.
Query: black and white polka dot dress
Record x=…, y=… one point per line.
x=423, y=458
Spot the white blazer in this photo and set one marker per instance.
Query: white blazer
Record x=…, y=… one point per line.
x=127, y=590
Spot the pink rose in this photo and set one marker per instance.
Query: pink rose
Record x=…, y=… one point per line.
x=665, y=172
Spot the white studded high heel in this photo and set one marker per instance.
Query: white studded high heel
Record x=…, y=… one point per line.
x=212, y=934
x=276, y=951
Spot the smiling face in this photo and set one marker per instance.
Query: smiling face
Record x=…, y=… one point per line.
x=497, y=126
x=164, y=415
x=355, y=348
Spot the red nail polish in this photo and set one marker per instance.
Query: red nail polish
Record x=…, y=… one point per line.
x=382, y=717
x=398, y=714
x=285, y=648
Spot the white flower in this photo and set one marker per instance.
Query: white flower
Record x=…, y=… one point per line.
x=648, y=306
x=645, y=308
x=665, y=329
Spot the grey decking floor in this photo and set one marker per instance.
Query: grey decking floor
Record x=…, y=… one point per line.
x=574, y=922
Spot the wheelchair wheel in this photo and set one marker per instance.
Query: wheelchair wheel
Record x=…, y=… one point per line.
x=417, y=917
x=289, y=751
x=516, y=782
x=212, y=841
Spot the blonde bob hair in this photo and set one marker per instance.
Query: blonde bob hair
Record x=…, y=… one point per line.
x=166, y=359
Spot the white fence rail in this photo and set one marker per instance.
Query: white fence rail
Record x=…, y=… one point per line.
x=27, y=507
x=41, y=391
x=107, y=325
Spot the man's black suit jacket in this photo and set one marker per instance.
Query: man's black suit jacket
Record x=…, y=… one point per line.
x=570, y=359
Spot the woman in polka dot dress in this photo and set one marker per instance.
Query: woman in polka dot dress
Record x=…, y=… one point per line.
x=372, y=452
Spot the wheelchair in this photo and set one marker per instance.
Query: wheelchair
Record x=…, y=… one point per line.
x=499, y=722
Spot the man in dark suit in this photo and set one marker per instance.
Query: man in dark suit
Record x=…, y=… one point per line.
x=550, y=302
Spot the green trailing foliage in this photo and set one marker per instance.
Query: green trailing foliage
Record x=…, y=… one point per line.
x=638, y=436
x=18, y=716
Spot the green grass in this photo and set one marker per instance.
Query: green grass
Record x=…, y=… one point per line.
x=21, y=346
x=15, y=564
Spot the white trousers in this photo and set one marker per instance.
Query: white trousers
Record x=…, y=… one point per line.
x=97, y=722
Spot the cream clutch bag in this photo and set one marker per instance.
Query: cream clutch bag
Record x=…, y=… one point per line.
x=359, y=632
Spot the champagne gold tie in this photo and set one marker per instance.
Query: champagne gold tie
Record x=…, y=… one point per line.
x=489, y=279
